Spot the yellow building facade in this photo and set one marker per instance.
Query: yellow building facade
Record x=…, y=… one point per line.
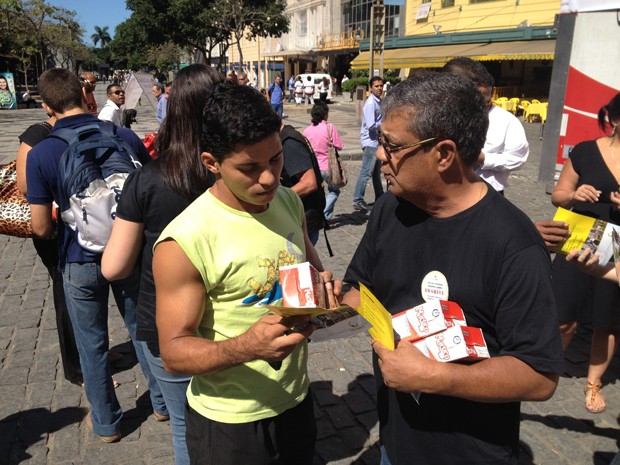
x=515, y=39
x=449, y=16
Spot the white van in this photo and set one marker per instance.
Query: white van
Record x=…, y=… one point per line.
x=316, y=79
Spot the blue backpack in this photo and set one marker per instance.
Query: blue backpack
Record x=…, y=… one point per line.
x=91, y=175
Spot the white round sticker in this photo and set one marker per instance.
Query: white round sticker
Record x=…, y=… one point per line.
x=435, y=286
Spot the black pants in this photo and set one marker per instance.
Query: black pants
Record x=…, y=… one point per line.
x=287, y=439
x=48, y=252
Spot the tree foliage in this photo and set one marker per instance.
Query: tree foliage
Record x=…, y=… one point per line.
x=35, y=31
x=236, y=19
x=102, y=35
x=199, y=25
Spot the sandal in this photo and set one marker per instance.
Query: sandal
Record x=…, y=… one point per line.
x=593, y=393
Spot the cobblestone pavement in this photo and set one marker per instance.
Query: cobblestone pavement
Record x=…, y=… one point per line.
x=42, y=415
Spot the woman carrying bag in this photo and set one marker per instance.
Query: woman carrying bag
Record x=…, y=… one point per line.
x=321, y=136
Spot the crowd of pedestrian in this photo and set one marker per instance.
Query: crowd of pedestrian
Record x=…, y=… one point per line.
x=233, y=194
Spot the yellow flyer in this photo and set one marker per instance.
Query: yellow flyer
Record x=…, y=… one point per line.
x=376, y=314
x=586, y=232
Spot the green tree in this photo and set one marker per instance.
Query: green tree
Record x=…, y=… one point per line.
x=165, y=56
x=130, y=46
x=236, y=19
x=32, y=30
x=101, y=35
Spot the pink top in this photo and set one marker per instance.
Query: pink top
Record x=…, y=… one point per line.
x=319, y=139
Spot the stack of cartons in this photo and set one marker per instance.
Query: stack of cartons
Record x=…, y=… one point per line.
x=439, y=330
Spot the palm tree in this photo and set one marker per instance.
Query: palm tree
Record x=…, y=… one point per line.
x=101, y=35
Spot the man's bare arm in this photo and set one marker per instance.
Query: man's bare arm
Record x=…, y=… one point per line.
x=498, y=379
x=42, y=224
x=180, y=301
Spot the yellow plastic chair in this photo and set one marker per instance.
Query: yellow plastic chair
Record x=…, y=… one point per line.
x=501, y=102
x=535, y=110
x=513, y=105
x=523, y=107
x=535, y=101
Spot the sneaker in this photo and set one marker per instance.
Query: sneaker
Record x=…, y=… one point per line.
x=107, y=439
x=360, y=207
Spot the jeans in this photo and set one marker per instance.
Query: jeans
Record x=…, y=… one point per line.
x=331, y=197
x=48, y=252
x=174, y=390
x=313, y=235
x=87, y=292
x=371, y=166
x=385, y=460
x=278, y=108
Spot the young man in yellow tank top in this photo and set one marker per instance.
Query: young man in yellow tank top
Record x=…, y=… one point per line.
x=214, y=266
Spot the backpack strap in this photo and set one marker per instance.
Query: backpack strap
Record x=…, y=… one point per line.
x=69, y=136
x=107, y=128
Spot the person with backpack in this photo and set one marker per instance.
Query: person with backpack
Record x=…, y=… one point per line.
x=275, y=95
x=302, y=175
x=79, y=145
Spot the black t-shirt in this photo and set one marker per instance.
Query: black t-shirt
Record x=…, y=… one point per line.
x=498, y=270
x=146, y=199
x=35, y=133
x=298, y=158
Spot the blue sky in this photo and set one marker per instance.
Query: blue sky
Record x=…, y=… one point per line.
x=91, y=13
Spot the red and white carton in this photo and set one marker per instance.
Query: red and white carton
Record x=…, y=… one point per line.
x=422, y=347
x=302, y=286
x=422, y=321
x=457, y=343
x=453, y=313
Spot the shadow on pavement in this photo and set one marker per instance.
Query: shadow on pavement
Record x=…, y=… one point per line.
x=20, y=431
x=347, y=424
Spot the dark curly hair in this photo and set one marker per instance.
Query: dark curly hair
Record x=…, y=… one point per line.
x=236, y=115
x=319, y=112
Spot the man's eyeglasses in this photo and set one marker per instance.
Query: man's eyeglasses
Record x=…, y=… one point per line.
x=118, y=92
x=390, y=149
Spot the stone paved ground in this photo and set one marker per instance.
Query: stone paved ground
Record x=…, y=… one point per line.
x=42, y=415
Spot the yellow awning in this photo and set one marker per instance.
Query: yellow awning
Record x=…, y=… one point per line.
x=437, y=56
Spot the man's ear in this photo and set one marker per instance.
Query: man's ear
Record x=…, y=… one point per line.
x=447, y=155
x=47, y=109
x=210, y=162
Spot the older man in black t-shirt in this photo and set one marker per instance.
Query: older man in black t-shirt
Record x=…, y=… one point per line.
x=441, y=231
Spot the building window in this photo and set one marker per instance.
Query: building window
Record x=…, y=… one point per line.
x=481, y=1
x=447, y=3
x=356, y=15
x=303, y=23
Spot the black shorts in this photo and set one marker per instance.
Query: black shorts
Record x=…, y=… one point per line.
x=286, y=439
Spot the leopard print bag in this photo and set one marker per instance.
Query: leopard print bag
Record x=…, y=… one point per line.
x=15, y=217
